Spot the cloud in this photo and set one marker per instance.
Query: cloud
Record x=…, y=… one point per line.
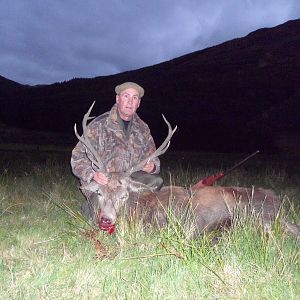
x=51, y=40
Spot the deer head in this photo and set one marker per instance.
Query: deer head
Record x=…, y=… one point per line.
x=108, y=199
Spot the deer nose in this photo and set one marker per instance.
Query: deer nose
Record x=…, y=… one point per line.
x=105, y=220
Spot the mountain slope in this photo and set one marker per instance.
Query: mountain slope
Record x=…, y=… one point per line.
x=236, y=96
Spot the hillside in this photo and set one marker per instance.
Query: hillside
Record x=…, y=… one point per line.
x=241, y=95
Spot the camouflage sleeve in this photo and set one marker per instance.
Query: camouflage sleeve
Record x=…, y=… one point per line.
x=156, y=162
x=151, y=148
x=80, y=163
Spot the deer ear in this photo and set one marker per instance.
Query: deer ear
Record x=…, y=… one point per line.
x=136, y=186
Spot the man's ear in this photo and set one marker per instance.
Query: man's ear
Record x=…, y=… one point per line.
x=117, y=98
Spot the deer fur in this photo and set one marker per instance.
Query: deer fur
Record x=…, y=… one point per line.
x=206, y=208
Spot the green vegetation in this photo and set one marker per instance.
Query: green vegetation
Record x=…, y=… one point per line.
x=44, y=255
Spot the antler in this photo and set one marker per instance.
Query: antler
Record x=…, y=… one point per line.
x=95, y=158
x=159, y=151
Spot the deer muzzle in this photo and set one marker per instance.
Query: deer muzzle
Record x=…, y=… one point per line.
x=106, y=224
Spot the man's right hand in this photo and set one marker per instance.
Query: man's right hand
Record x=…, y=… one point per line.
x=100, y=178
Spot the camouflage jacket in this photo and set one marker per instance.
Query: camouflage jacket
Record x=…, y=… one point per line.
x=119, y=148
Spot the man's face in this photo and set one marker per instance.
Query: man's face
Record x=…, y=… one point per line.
x=128, y=102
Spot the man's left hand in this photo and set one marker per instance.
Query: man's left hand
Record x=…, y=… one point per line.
x=149, y=167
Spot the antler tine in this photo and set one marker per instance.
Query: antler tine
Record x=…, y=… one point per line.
x=96, y=160
x=159, y=151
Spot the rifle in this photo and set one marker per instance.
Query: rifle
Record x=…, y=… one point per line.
x=210, y=180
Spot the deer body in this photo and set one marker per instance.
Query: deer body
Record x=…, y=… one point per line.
x=208, y=207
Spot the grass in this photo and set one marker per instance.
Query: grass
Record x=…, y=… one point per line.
x=45, y=256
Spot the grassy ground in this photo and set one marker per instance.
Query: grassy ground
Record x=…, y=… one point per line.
x=45, y=256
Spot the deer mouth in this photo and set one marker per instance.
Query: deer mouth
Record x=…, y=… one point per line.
x=110, y=229
x=106, y=224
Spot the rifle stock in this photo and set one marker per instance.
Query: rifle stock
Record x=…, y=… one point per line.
x=210, y=180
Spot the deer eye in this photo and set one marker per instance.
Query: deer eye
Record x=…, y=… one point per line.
x=125, y=196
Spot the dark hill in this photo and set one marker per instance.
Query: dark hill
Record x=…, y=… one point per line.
x=238, y=96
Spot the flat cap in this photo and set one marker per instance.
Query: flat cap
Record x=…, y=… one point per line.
x=127, y=85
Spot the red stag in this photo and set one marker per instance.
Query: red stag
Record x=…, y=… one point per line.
x=210, y=206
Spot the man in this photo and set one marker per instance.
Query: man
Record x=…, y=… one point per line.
x=122, y=139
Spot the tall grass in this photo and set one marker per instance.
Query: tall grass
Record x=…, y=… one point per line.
x=48, y=254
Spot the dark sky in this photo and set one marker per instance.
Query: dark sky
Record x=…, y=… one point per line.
x=46, y=41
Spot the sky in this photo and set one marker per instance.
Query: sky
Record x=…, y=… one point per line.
x=47, y=41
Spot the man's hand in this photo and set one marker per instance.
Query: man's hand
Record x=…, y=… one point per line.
x=149, y=167
x=100, y=178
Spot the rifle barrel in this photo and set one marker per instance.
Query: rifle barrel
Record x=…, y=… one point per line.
x=240, y=163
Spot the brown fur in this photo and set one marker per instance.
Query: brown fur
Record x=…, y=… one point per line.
x=203, y=208
x=211, y=207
